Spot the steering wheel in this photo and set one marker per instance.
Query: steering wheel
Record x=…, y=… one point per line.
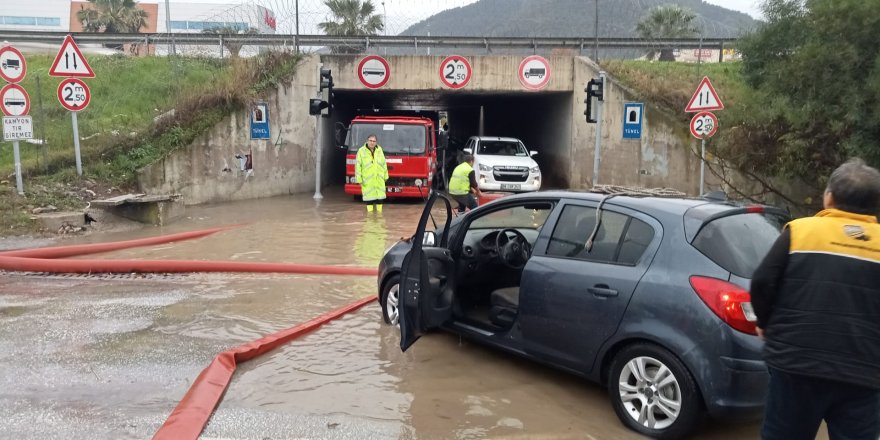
x=514, y=251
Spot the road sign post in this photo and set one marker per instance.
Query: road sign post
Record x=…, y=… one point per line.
x=73, y=94
x=15, y=128
x=598, y=149
x=703, y=126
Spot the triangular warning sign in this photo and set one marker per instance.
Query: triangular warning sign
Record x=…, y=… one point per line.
x=705, y=99
x=70, y=61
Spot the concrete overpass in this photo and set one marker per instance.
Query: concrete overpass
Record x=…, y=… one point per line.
x=494, y=102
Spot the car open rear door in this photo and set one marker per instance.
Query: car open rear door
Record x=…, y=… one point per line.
x=428, y=279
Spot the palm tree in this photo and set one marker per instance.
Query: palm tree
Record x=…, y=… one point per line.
x=112, y=16
x=668, y=21
x=351, y=17
x=233, y=47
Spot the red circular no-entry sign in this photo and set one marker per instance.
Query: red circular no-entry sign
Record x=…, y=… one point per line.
x=534, y=72
x=14, y=100
x=73, y=94
x=373, y=71
x=13, y=68
x=455, y=72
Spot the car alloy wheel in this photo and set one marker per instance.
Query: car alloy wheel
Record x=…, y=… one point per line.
x=650, y=392
x=390, y=300
x=653, y=392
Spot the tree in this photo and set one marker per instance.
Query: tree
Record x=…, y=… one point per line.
x=668, y=21
x=234, y=48
x=814, y=74
x=112, y=16
x=351, y=17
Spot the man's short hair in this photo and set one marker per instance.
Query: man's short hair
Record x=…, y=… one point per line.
x=468, y=158
x=855, y=187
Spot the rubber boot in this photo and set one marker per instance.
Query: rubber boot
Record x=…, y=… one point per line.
x=379, y=208
x=369, y=208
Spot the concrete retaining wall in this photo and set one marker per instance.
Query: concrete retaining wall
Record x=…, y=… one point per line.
x=207, y=170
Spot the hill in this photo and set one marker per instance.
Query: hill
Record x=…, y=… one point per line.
x=568, y=18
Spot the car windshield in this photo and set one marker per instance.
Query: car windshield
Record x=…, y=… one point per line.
x=531, y=216
x=395, y=139
x=502, y=148
x=738, y=243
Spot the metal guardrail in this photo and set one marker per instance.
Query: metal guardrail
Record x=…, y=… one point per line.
x=487, y=43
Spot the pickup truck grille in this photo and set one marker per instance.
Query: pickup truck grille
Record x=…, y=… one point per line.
x=510, y=174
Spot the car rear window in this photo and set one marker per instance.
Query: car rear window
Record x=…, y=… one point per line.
x=738, y=243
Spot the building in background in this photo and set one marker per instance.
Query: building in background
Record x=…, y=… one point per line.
x=61, y=16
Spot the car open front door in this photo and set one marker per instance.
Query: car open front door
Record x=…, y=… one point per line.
x=428, y=278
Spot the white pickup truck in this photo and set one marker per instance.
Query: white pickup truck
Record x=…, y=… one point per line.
x=503, y=164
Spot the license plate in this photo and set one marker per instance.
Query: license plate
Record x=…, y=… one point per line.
x=393, y=190
x=510, y=186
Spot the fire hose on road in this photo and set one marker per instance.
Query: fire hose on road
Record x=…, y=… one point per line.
x=192, y=413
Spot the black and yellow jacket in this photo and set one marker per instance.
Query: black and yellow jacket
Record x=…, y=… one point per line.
x=817, y=297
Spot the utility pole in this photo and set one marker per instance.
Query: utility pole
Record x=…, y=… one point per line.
x=296, y=6
x=168, y=26
x=596, y=33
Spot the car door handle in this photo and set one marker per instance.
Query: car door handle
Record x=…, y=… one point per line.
x=602, y=291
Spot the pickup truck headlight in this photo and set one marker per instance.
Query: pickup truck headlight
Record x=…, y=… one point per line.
x=485, y=168
x=535, y=170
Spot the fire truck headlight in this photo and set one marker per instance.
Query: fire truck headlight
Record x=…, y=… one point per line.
x=419, y=182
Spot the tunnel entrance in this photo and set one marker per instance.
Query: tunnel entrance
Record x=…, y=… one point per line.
x=541, y=120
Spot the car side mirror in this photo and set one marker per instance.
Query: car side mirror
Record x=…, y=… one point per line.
x=533, y=153
x=340, y=132
x=468, y=150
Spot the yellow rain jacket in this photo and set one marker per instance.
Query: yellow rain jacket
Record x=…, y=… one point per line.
x=371, y=171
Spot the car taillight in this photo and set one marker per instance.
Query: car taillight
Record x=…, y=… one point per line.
x=730, y=302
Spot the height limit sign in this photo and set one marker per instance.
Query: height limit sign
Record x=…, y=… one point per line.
x=74, y=94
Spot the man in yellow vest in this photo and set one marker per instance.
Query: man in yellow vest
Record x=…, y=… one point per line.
x=463, y=184
x=816, y=296
x=371, y=172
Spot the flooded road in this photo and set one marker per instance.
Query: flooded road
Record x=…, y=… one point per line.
x=109, y=357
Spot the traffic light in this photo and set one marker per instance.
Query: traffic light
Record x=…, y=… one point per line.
x=325, y=86
x=316, y=106
x=595, y=91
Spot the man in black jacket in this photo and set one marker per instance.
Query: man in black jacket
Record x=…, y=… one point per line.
x=817, y=299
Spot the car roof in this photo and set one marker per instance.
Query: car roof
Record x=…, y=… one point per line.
x=668, y=205
x=495, y=138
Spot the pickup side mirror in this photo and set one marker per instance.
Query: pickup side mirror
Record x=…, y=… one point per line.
x=468, y=150
x=533, y=153
x=340, y=132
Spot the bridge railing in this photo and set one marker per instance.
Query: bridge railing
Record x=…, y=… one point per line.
x=214, y=44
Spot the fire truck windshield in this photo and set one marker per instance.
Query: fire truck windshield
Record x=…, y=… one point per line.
x=395, y=139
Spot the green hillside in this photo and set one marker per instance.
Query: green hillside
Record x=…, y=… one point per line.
x=121, y=130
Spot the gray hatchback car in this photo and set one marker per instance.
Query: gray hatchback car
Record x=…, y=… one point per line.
x=646, y=295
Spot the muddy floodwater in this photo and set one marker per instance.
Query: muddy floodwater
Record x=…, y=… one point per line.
x=109, y=357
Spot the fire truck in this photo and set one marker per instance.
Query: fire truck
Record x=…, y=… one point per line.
x=410, y=146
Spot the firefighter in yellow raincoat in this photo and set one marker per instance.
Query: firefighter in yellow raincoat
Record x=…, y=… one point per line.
x=371, y=172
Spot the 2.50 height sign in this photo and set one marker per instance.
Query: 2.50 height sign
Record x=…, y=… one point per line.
x=74, y=94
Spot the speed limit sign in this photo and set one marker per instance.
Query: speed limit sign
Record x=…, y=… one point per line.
x=455, y=72
x=704, y=125
x=74, y=94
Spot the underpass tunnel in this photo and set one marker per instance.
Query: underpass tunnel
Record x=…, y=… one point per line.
x=541, y=120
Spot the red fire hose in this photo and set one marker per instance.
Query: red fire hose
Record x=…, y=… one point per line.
x=170, y=266
x=192, y=413
x=84, y=249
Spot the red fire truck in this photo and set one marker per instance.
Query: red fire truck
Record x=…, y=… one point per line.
x=410, y=146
